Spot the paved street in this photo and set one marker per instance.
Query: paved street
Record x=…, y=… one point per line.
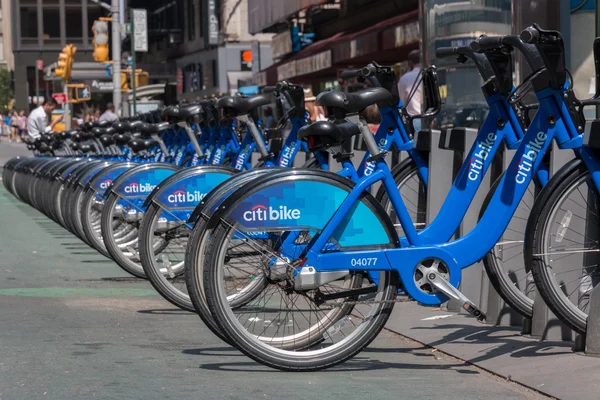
x=9, y=150
x=74, y=326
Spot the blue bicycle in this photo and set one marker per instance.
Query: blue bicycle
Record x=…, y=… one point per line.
x=320, y=304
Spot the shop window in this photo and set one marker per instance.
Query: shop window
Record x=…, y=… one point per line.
x=74, y=24
x=51, y=24
x=29, y=25
x=193, y=78
x=191, y=14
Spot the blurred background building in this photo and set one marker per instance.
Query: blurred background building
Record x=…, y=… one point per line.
x=205, y=47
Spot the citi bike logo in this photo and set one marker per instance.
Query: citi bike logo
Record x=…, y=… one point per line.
x=218, y=154
x=241, y=158
x=178, y=157
x=137, y=188
x=481, y=154
x=105, y=184
x=286, y=155
x=370, y=166
x=532, y=149
x=181, y=196
x=263, y=213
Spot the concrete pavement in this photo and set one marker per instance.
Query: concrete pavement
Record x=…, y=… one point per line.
x=9, y=150
x=75, y=326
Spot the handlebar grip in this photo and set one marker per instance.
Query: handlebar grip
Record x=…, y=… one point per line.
x=351, y=73
x=530, y=35
x=443, y=52
x=486, y=43
x=269, y=89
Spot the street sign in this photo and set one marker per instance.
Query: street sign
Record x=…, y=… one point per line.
x=102, y=86
x=127, y=27
x=140, y=30
x=40, y=65
x=109, y=69
x=61, y=98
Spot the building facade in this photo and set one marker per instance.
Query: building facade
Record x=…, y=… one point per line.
x=40, y=29
x=205, y=45
x=6, y=54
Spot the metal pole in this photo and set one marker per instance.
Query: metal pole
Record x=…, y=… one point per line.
x=116, y=52
x=67, y=108
x=37, y=83
x=133, y=76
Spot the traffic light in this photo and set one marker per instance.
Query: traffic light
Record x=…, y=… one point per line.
x=65, y=62
x=124, y=83
x=100, y=41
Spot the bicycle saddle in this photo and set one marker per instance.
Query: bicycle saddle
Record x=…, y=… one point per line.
x=67, y=134
x=238, y=105
x=135, y=125
x=122, y=126
x=85, y=148
x=87, y=126
x=107, y=140
x=182, y=113
x=102, y=124
x=162, y=126
x=322, y=135
x=150, y=143
x=137, y=144
x=122, y=138
x=148, y=129
x=97, y=132
x=353, y=103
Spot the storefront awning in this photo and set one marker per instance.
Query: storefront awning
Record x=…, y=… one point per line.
x=386, y=42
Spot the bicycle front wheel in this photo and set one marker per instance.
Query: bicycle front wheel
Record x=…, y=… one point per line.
x=562, y=244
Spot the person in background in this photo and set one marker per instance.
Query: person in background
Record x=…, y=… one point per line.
x=405, y=85
x=373, y=118
x=37, y=123
x=315, y=112
x=269, y=120
x=7, y=124
x=22, y=125
x=14, y=126
x=96, y=115
x=109, y=115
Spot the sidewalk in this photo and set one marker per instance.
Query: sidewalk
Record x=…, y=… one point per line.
x=549, y=367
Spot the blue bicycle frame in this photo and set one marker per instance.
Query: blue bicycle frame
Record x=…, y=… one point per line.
x=551, y=122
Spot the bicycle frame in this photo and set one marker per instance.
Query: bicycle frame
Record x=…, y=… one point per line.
x=551, y=122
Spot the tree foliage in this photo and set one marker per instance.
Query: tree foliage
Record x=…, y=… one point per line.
x=6, y=91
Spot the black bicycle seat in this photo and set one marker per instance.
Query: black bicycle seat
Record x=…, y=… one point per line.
x=107, y=140
x=353, y=103
x=322, y=135
x=122, y=127
x=122, y=138
x=179, y=113
x=97, y=132
x=150, y=143
x=85, y=148
x=239, y=105
x=148, y=129
x=137, y=144
x=135, y=125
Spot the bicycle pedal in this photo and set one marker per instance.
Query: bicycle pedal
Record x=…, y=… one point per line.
x=444, y=286
x=474, y=311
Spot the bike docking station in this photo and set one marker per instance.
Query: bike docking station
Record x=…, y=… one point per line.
x=449, y=148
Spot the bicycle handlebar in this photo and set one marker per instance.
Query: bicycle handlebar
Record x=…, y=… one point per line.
x=269, y=89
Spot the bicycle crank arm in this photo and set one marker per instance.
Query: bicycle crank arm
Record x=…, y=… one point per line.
x=441, y=284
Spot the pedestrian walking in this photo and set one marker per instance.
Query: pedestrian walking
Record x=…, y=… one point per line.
x=405, y=86
x=14, y=126
x=22, y=120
